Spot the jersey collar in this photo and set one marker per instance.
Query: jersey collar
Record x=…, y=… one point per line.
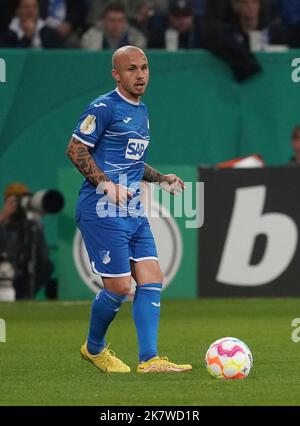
x=126, y=99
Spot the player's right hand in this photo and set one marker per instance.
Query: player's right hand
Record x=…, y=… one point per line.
x=118, y=194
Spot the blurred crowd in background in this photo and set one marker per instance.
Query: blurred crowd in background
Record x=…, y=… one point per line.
x=164, y=24
x=230, y=29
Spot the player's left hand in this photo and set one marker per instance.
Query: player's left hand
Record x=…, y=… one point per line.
x=172, y=183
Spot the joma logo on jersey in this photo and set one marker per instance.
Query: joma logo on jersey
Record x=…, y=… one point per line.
x=136, y=148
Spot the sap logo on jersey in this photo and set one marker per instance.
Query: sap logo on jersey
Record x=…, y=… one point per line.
x=136, y=148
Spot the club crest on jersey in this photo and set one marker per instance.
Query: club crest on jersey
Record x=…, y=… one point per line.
x=136, y=148
x=88, y=125
x=104, y=256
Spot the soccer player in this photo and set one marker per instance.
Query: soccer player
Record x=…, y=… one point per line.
x=109, y=148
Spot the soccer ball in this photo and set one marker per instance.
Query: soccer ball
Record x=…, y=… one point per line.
x=228, y=358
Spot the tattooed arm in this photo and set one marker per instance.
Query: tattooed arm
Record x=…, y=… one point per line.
x=80, y=156
x=170, y=183
x=152, y=175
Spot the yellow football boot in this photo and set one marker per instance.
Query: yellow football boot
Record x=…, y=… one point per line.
x=162, y=365
x=106, y=361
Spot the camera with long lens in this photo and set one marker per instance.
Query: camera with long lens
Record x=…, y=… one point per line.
x=42, y=202
x=26, y=223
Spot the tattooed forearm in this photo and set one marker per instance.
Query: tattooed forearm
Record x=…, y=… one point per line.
x=152, y=175
x=82, y=159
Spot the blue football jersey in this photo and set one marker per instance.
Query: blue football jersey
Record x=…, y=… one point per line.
x=117, y=130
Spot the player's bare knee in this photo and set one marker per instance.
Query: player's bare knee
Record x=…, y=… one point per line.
x=120, y=286
x=125, y=289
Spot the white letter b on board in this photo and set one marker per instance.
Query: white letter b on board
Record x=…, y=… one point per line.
x=247, y=222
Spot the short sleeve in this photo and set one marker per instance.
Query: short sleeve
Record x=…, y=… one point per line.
x=92, y=123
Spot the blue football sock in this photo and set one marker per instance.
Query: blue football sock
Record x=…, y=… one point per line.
x=104, y=309
x=146, y=312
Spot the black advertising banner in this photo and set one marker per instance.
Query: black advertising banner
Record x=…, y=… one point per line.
x=249, y=243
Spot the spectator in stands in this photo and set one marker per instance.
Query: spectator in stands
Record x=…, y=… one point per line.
x=96, y=10
x=112, y=31
x=147, y=19
x=67, y=17
x=248, y=17
x=161, y=7
x=224, y=37
x=221, y=10
x=27, y=29
x=295, y=142
x=142, y=16
x=181, y=31
x=248, y=26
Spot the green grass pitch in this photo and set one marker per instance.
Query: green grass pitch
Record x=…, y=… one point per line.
x=40, y=362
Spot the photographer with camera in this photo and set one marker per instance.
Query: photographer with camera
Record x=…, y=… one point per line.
x=22, y=240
